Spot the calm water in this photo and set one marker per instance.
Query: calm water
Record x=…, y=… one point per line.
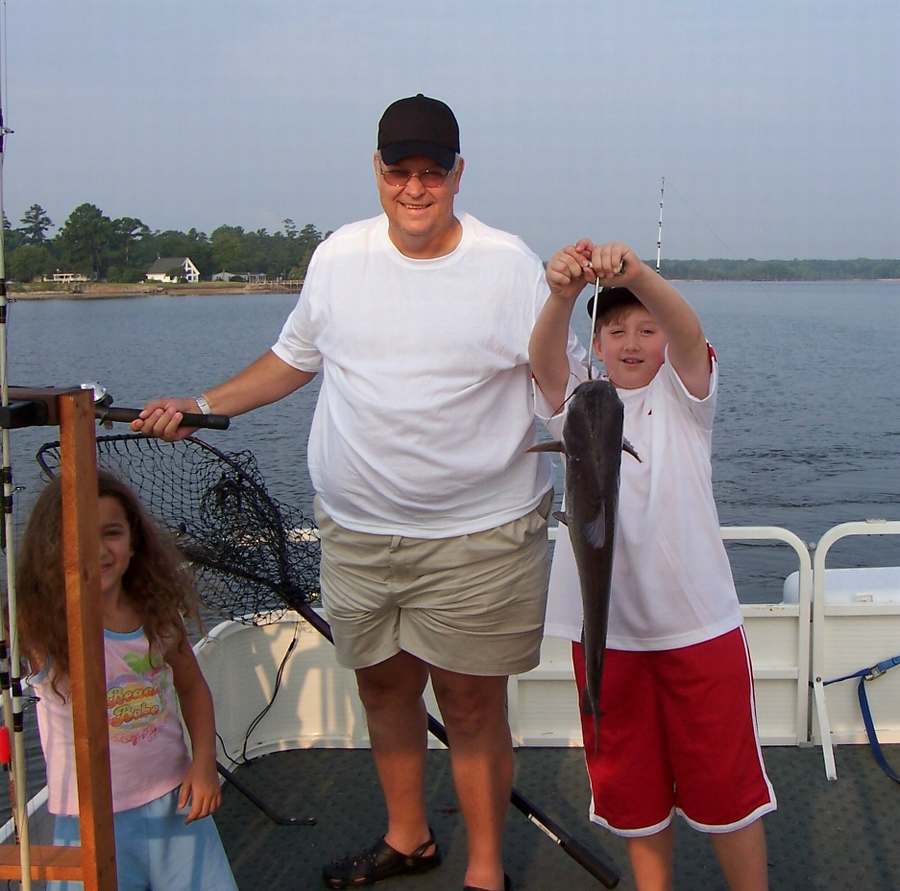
x=808, y=431
x=807, y=435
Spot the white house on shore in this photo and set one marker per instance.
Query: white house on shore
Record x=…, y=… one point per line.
x=172, y=269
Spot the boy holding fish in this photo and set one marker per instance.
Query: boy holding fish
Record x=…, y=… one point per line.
x=677, y=730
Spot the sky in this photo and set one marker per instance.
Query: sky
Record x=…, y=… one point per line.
x=776, y=123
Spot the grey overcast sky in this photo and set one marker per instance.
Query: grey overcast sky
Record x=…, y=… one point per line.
x=776, y=122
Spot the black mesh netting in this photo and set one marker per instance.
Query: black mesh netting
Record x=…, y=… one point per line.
x=253, y=556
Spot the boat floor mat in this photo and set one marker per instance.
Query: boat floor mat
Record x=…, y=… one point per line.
x=823, y=835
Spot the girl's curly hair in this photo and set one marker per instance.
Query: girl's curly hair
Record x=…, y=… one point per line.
x=157, y=582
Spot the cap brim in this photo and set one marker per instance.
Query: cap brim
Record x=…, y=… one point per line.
x=610, y=297
x=397, y=151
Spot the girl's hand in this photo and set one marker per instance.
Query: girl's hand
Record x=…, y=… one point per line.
x=201, y=788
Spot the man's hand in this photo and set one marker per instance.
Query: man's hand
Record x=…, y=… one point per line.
x=569, y=270
x=162, y=418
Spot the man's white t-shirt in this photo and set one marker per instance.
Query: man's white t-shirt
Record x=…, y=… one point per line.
x=426, y=409
x=672, y=584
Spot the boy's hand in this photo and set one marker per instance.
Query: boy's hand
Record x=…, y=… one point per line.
x=200, y=787
x=569, y=270
x=615, y=264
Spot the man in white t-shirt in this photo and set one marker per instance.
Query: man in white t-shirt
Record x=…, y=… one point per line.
x=677, y=730
x=431, y=510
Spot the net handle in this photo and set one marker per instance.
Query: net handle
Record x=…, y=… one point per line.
x=190, y=419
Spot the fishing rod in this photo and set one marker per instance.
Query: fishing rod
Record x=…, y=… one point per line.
x=662, y=188
x=30, y=407
x=597, y=288
x=10, y=664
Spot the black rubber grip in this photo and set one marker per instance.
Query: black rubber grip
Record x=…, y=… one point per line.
x=126, y=415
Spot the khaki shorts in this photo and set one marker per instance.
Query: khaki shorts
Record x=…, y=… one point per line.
x=473, y=603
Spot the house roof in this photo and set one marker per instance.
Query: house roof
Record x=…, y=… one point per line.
x=165, y=264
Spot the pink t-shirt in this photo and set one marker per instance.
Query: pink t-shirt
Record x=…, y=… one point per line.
x=147, y=752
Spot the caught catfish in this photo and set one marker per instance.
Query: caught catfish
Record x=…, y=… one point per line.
x=593, y=444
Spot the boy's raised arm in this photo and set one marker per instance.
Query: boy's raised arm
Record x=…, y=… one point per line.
x=688, y=351
x=567, y=273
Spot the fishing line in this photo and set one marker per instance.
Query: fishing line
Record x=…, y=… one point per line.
x=10, y=667
x=700, y=218
x=593, y=327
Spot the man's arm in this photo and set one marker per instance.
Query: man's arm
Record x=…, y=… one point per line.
x=688, y=351
x=266, y=380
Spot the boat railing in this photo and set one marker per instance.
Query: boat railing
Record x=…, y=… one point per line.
x=779, y=638
x=790, y=641
x=848, y=636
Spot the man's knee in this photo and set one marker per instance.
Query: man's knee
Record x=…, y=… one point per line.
x=470, y=704
x=396, y=682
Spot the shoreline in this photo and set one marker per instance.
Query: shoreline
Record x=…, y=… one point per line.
x=113, y=291
x=117, y=291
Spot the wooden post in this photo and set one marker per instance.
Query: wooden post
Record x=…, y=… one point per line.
x=87, y=665
x=94, y=863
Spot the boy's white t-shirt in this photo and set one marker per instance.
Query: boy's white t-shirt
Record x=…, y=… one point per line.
x=426, y=410
x=672, y=584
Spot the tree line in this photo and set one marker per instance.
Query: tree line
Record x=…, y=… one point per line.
x=780, y=270
x=122, y=249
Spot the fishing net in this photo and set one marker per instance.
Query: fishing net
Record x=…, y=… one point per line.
x=254, y=556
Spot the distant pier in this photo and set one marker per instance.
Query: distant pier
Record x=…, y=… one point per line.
x=276, y=284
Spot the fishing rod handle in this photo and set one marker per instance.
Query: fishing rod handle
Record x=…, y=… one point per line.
x=583, y=856
x=189, y=419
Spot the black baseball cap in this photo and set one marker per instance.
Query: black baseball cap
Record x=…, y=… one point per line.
x=419, y=125
x=609, y=298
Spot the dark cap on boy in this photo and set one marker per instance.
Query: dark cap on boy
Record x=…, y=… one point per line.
x=610, y=298
x=418, y=125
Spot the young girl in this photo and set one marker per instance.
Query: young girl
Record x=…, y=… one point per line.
x=162, y=797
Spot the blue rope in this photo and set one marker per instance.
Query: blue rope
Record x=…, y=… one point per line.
x=869, y=674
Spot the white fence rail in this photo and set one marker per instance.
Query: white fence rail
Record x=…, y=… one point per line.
x=848, y=636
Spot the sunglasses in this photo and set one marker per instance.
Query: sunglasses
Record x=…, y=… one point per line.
x=430, y=179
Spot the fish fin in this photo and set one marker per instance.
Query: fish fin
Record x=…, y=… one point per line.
x=628, y=447
x=554, y=446
x=560, y=517
x=595, y=531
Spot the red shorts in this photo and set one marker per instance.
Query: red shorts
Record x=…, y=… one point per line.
x=677, y=733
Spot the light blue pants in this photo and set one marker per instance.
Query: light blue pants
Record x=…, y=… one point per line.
x=156, y=851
